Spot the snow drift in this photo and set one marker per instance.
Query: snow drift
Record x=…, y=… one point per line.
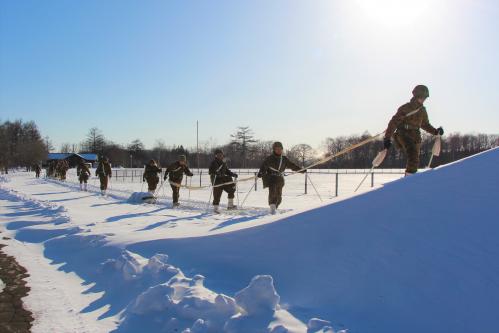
x=419, y=255
x=176, y=303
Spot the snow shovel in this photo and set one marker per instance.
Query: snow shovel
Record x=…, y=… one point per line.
x=376, y=163
x=435, y=151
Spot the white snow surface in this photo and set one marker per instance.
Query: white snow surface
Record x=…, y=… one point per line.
x=416, y=255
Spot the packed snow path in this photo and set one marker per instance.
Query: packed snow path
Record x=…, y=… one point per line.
x=418, y=255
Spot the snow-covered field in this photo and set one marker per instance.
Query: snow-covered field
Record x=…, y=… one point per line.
x=416, y=255
x=293, y=195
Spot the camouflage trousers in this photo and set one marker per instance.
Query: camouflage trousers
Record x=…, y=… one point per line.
x=217, y=192
x=83, y=178
x=175, y=193
x=152, y=183
x=275, y=190
x=411, y=149
x=104, y=180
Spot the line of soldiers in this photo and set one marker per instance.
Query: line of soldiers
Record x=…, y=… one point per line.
x=222, y=178
x=57, y=169
x=404, y=127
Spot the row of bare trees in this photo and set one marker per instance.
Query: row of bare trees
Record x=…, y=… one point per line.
x=244, y=150
x=455, y=146
x=21, y=145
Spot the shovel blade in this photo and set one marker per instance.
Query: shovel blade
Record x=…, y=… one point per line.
x=379, y=158
x=437, y=146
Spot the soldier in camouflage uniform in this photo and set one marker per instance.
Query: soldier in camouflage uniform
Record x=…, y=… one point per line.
x=83, y=173
x=272, y=174
x=176, y=173
x=220, y=174
x=62, y=168
x=405, y=128
x=104, y=172
x=151, y=172
x=37, y=169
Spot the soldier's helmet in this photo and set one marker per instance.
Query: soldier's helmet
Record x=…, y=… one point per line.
x=218, y=151
x=421, y=91
x=277, y=144
x=182, y=158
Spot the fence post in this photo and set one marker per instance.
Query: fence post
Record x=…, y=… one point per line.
x=336, y=184
x=372, y=179
x=306, y=182
x=200, y=174
x=256, y=181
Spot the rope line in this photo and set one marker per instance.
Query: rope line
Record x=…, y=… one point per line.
x=322, y=161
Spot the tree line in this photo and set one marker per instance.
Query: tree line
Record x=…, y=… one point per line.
x=22, y=145
x=244, y=150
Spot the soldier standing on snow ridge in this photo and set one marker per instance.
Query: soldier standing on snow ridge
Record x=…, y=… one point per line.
x=83, y=173
x=219, y=174
x=272, y=174
x=104, y=172
x=405, y=128
x=176, y=173
x=37, y=169
x=151, y=171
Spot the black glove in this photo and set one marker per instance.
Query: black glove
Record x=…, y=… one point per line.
x=387, y=143
x=235, y=175
x=440, y=131
x=259, y=175
x=303, y=171
x=143, y=179
x=165, y=177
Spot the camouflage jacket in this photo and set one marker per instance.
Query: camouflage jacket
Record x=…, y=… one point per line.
x=151, y=171
x=220, y=169
x=275, y=165
x=82, y=170
x=103, y=169
x=176, y=172
x=408, y=121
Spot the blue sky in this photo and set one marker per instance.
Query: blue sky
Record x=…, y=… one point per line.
x=296, y=71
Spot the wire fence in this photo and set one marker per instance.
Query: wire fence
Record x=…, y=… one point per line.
x=201, y=177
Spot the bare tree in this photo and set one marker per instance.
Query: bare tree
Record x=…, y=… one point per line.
x=302, y=152
x=66, y=148
x=95, y=141
x=159, y=150
x=48, y=144
x=242, y=142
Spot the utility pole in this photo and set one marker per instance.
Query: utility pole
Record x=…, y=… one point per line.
x=197, y=142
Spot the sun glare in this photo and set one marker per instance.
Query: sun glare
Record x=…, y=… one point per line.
x=394, y=13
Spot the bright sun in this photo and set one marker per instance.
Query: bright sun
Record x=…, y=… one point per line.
x=394, y=13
